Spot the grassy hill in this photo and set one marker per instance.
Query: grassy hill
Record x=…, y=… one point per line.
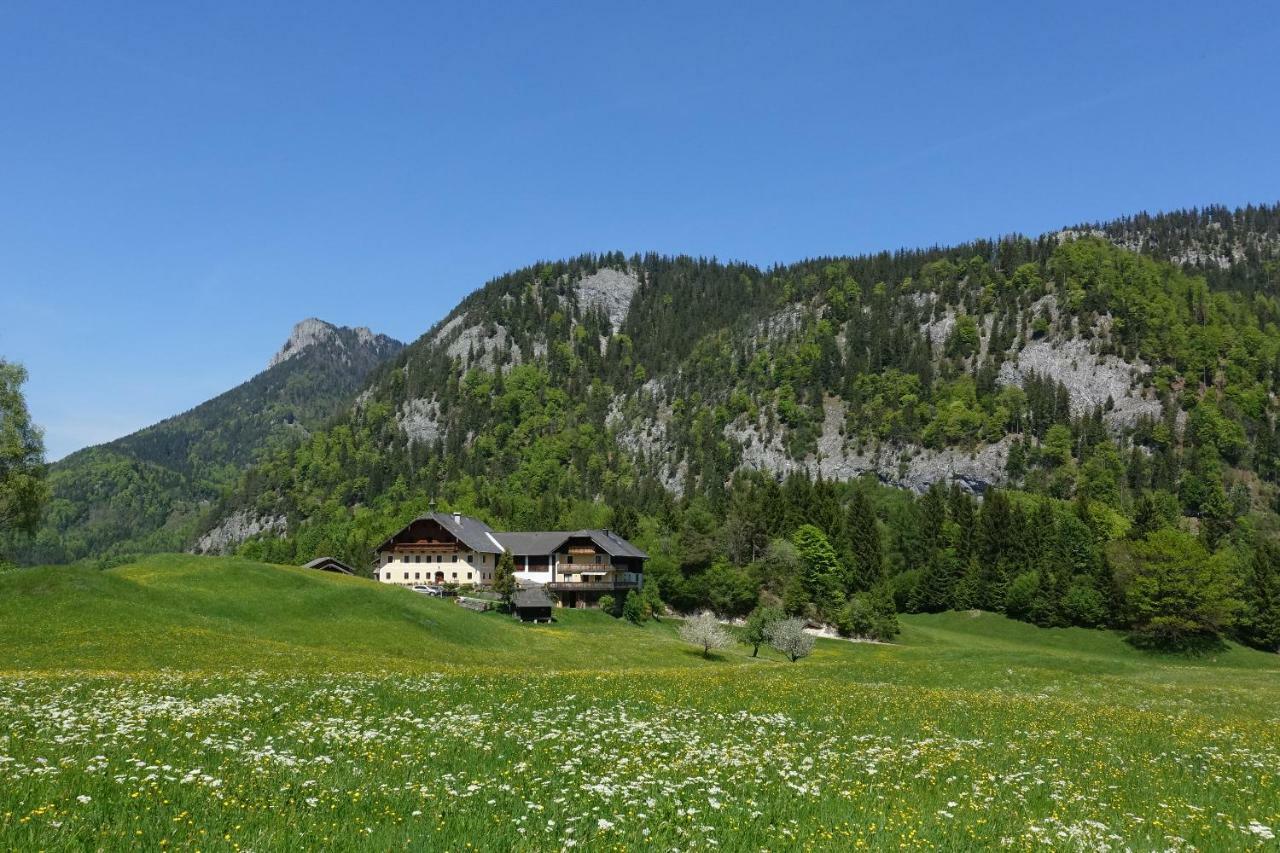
x=220, y=704
x=209, y=613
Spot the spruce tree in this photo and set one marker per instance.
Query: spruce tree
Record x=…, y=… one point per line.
x=991, y=544
x=933, y=517
x=1260, y=618
x=867, y=568
x=504, y=578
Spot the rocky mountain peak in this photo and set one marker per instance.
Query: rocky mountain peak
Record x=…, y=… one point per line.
x=313, y=331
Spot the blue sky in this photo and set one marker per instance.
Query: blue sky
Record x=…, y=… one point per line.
x=181, y=182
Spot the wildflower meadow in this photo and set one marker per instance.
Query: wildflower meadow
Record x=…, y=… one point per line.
x=595, y=734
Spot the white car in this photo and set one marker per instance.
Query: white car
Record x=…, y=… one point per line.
x=429, y=590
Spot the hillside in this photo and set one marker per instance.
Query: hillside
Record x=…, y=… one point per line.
x=1110, y=381
x=213, y=614
x=209, y=613
x=217, y=702
x=145, y=491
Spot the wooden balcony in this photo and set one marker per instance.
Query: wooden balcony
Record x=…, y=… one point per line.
x=427, y=547
x=592, y=586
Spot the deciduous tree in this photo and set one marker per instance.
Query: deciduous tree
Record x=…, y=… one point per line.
x=703, y=630
x=23, y=490
x=789, y=637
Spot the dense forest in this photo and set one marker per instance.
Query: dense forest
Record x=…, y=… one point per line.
x=1075, y=429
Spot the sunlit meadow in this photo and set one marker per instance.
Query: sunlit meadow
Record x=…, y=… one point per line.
x=135, y=715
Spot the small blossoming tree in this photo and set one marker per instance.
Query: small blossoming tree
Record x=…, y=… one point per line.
x=788, y=636
x=703, y=630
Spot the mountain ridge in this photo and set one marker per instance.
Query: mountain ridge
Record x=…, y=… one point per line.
x=145, y=491
x=665, y=336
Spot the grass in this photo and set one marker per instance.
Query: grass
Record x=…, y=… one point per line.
x=200, y=703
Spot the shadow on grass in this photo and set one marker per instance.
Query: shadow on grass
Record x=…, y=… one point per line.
x=1184, y=646
x=712, y=657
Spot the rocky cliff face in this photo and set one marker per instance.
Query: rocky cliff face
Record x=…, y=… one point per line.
x=313, y=332
x=234, y=529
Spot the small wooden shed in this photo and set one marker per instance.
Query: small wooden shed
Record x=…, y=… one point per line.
x=532, y=604
x=330, y=564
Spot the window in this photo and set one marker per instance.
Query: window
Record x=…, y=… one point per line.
x=406, y=575
x=471, y=558
x=599, y=558
x=439, y=558
x=387, y=576
x=415, y=576
x=468, y=575
x=455, y=575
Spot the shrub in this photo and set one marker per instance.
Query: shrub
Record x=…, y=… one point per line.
x=608, y=604
x=1020, y=598
x=1084, y=605
x=633, y=608
x=869, y=614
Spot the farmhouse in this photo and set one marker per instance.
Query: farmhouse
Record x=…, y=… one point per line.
x=577, y=566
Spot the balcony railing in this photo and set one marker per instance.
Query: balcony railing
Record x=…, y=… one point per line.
x=592, y=586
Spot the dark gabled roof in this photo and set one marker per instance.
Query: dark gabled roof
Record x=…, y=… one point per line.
x=480, y=537
x=330, y=564
x=531, y=596
x=472, y=532
x=545, y=542
x=535, y=542
x=612, y=543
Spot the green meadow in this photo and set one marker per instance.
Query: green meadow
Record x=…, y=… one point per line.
x=221, y=704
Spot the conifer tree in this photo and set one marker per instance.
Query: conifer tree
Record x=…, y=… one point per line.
x=504, y=578
x=933, y=517
x=867, y=568
x=1260, y=618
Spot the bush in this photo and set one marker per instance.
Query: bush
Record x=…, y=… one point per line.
x=633, y=608
x=651, y=601
x=608, y=604
x=906, y=588
x=1084, y=605
x=1020, y=598
x=869, y=614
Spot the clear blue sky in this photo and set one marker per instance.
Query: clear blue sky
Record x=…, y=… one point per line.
x=181, y=182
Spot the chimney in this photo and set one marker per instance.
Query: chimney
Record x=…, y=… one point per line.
x=457, y=517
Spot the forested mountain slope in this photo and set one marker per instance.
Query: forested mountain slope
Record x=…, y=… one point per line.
x=1119, y=376
x=145, y=491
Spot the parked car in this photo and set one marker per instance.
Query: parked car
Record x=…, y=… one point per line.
x=434, y=591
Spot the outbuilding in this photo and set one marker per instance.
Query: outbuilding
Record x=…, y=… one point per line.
x=532, y=604
x=330, y=564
